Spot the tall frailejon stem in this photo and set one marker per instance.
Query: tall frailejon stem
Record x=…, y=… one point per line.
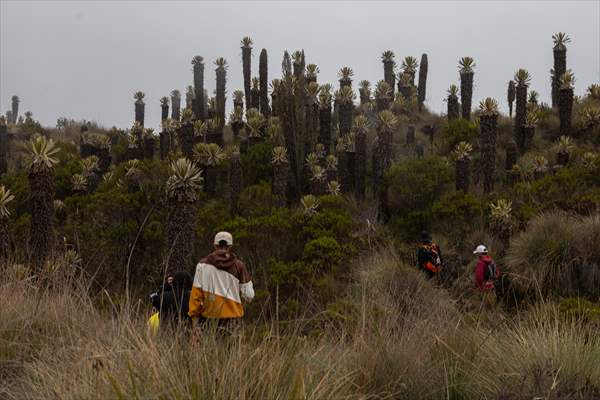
x=421, y=90
x=288, y=118
x=246, y=44
x=466, y=65
x=221, y=72
x=3, y=145
x=176, y=105
x=360, y=127
x=512, y=92
x=488, y=121
x=236, y=182
x=560, y=63
x=198, y=101
x=40, y=173
x=139, y=107
x=164, y=108
x=462, y=152
x=14, y=109
x=325, y=118
x=263, y=69
x=345, y=99
x=565, y=102
x=281, y=172
x=389, y=75
x=186, y=133
x=210, y=156
x=452, y=102
x=528, y=129
x=182, y=195
x=255, y=93
x=190, y=98
x=312, y=116
x=522, y=78
x=382, y=158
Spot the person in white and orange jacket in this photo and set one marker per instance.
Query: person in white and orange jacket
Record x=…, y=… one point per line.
x=220, y=284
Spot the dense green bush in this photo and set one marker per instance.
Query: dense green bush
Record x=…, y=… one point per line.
x=256, y=200
x=571, y=188
x=455, y=215
x=414, y=186
x=256, y=163
x=458, y=130
x=293, y=254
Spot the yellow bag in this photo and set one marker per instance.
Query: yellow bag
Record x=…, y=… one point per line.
x=154, y=322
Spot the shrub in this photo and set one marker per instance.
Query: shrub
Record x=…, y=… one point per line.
x=414, y=186
x=455, y=215
x=570, y=188
x=323, y=254
x=256, y=200
x=458, y=130
x=256, y=164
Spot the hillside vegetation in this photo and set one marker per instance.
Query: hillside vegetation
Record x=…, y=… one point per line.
x=326, y=194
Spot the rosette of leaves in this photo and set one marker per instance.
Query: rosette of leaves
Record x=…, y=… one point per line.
x=540, y=167
x=501, y=220
x=133, y=174
x=210, y=156
x=312, y=70
x=590, y=117
x=79, y=183
x=563, y=147
x=317, y=180
x=310, y=205
x=589, y=160
x=200, y=129
x=594, y=91
x=333, y=188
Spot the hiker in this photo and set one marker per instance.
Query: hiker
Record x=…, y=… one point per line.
x=171, y=302
x=220, y=283
x=486, y=271
x=429, y=255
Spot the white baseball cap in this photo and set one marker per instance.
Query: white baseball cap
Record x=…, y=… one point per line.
x=224, y=236
x=481, y=249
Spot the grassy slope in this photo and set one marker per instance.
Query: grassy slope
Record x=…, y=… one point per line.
x=400, y=338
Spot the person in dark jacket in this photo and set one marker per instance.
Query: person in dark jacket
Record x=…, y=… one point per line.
x=429, y=256
x=172, y=302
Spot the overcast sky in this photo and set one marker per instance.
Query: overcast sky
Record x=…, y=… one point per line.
x=84, y=59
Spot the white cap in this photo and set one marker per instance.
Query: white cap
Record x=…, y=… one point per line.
x=224, y=236
x=481, y=249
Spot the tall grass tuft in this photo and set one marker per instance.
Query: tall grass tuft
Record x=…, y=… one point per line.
x=558, y=253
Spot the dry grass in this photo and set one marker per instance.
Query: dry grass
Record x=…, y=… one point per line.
x=407, y=340
x=558, y=253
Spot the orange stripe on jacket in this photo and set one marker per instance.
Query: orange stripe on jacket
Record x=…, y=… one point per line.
x=216, y=293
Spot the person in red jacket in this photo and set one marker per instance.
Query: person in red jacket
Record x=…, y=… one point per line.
x=486, y=271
